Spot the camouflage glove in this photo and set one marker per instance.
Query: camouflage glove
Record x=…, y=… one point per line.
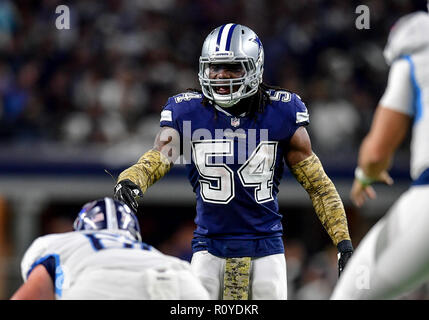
x=345, y=251
x=128, y=192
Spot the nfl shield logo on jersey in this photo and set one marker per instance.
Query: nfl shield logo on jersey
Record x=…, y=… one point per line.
x=235, y=122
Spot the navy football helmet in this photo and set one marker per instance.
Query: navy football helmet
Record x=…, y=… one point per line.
x=108, y=214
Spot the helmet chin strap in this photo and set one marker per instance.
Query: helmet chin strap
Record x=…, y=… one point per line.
x=226, y=104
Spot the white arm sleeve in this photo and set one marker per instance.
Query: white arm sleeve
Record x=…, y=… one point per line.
x=399, y=94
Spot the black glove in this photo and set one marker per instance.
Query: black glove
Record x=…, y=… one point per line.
x=345, y=251
x=128, y=192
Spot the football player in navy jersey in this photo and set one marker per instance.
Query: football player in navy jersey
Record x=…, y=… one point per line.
x=235, y=135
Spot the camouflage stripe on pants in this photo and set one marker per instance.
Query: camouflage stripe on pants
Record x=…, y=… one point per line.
x=236, y=279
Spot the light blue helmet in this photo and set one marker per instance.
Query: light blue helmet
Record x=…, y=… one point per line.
x=108, y=214
x=232, y=43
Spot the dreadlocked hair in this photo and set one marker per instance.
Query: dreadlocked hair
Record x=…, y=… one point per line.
x=256, y=103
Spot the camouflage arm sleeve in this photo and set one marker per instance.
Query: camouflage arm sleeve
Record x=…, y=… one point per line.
x=151, y=167
x=326, y=200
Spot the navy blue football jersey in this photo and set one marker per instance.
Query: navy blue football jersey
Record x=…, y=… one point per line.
x=235, y=164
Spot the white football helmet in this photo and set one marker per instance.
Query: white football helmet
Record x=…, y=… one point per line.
x=231, y=43
x=407, y=36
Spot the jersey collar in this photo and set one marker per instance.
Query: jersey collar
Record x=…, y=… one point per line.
x=227, y=113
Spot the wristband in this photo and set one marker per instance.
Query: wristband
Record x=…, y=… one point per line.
x=363, y=178
x=345, y=246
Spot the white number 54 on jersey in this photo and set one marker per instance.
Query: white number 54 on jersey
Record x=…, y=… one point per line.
x=217, y=179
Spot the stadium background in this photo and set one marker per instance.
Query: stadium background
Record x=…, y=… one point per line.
x=76, y=102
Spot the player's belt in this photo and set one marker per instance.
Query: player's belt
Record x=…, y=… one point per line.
x=422, y=179
x=236, y=279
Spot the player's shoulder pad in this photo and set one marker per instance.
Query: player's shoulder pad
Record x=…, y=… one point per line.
x=187, y=96
x=41, y=249
x=36, y=250
x=180, y=103
x=301, y=112
x=291, y=104
x=184, y=99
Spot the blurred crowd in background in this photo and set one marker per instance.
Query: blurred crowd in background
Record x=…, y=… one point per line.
x=109, y=75
x=106, y=79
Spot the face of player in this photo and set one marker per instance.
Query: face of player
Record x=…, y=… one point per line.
x=226, y=71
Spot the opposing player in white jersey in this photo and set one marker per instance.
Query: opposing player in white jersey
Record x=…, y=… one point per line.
x=393, y=257
x=104, y=259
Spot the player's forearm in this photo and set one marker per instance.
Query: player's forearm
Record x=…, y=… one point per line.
x=326, y=200
x=39, y=286
x=388, y=130
x=372, y=160
x=151, y=167
x=27, y=292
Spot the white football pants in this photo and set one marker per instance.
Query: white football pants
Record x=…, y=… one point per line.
x=150, y=284
x=393, y=258
x=267, y=275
